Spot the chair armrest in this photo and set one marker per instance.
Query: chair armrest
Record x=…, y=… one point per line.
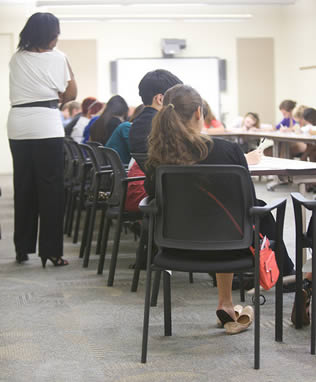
x=104, y=172
x=148, y=206
x=134, y=178
x=299, y=199
x=263, y=210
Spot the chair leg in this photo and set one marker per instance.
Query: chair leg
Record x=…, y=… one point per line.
x=67, y=208
x=99, y=240
x=279, y=305
x=156, y=285
x=147, y=294
x=105, y=236
x=77, y=222
x=313, y=318
x=298, y=286
x=90, y=234
x=191, y=277
x=115, y=249
x=257, y=297
x=71, y=214
x=85, y=232
x=167, y=302
x=140, y=256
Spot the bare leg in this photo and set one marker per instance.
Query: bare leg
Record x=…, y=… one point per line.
x=308, y=276
x=224, y=287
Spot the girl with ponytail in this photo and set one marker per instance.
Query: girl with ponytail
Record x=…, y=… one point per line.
x=176, y=139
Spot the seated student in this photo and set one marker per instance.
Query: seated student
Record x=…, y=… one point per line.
x=74, y=108
x=178, y=122
x=309, y=116
x=298, y=148
x=64, y=114
x=114, y=114
x=290, y=123
x=176, y=139
x=286, y=107
x=249, y=122
x=299, y=116
x=210, y=121
x=89, y=107
x=254, y=156
x=152, y=88
x=118, y=141
x=68, y=111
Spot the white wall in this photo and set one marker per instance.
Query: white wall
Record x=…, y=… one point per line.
x=293, y=29
x=296, y=49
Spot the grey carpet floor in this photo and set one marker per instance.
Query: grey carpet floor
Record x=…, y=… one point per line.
x=65, y=324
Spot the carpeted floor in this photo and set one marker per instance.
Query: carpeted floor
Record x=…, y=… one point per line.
x=65, y=324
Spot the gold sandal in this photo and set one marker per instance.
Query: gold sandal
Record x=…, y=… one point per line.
x=237, y=308
x=243, y=322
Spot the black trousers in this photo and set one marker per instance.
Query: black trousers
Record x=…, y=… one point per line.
x=38, y=166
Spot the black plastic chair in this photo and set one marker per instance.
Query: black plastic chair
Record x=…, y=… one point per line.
x=116, y=210
x=100, y=182
x=81, y=183
x=304, y=241
x=193, y=221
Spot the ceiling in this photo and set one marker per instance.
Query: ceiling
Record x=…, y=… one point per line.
x=148, y=2
x=150, y=10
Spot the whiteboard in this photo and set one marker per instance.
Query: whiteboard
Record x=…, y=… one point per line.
x=200, y=73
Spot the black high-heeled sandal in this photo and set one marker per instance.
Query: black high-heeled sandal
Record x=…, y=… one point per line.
x=57, y=261
x=21, y=257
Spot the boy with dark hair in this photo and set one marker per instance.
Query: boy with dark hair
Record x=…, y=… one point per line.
x=152, y=88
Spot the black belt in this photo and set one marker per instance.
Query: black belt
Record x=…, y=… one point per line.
x=52, y=104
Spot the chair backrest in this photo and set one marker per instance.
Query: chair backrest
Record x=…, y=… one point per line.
x=97, y=167
x=71, y=161
x=203, y=207
x=102, y=161
x=119, y=175
x=81, y=160
x=141, y=159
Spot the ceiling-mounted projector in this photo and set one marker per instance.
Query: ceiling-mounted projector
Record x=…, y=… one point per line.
x=172, y=46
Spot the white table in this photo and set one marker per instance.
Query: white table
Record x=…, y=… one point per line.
x=277, y=137
x=287, y=167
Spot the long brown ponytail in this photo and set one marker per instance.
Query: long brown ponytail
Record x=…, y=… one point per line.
x=173, y=138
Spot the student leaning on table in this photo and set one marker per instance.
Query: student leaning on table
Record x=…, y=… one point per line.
x=40, y=76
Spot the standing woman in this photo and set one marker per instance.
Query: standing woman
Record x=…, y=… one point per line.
x=40, y=77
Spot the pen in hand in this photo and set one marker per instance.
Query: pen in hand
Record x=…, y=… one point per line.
x=260, y=143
